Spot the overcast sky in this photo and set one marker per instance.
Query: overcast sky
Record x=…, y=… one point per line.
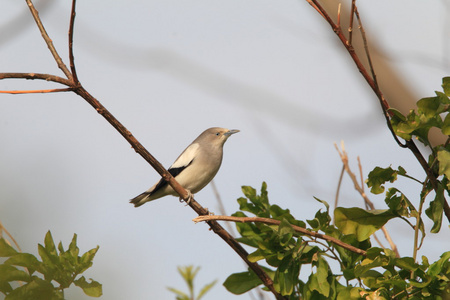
x=170, y=69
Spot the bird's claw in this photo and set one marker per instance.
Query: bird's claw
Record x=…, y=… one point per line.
x=190, y=196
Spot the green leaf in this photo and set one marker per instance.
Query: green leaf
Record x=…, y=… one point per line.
x=360, y=222
x=446, y=85
x=5, y=249
x=9, y=273
x=205, y=289
x=429, y=106
x=26, y=260
x=181, y=295
x=378, y=177
x=436, y=209
x=50, y=244
x=437, y=267
x=319, y=280
x=93, y=288
x=239, y=283
x=443, y=156
x=399, y=203
x=37, y=289
x=87, y=258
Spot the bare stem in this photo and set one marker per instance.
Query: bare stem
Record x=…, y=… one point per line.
x=48, y=40
x=360, y=189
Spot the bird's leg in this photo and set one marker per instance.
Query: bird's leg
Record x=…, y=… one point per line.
x=189, y=197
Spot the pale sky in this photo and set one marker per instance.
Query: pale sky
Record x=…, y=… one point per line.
x=170, y=69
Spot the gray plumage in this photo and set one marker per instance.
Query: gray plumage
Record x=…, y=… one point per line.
x=194, y=168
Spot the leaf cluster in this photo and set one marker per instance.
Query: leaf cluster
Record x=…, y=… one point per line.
x=287, y=252
x=59, y=266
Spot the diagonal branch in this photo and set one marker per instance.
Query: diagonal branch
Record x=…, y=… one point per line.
x=383, y=102
x=77, y=88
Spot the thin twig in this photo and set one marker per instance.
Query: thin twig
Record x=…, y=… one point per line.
x=39, y=76
x=338, y=189
x=37, y=91
x=2, y=228
x=48, y=40
x=368, y=203
x=366, y=47
x=277, y=222
x=339, y=16
x=350, y=27
x=71, y=30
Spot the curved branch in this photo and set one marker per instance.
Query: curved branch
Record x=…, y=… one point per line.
x=40, y=76
x=277, y=222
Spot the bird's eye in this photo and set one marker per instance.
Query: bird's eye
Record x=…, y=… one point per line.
x=218, y=133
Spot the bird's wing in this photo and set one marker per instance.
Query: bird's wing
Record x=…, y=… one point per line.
x=184, y=160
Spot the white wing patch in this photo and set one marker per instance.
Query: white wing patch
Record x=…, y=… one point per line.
x=186, y=157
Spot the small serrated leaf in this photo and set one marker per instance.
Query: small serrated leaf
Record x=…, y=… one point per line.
x=93, y=288
x=378, y=177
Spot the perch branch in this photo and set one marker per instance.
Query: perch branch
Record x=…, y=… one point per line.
x=74, y=84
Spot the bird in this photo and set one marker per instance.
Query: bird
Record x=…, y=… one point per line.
x=194, y=168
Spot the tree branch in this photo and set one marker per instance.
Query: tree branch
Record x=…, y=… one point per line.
x=277, y=222
x=374, y=85
x=48, y=40
x=39, y=76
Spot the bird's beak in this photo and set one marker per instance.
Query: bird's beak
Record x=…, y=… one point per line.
x=230, y=132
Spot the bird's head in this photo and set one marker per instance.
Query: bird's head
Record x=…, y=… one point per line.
x=215, y=136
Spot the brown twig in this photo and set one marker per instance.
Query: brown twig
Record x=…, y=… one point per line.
x=48, y=40
x=39, y=76
x=37, y=91
x=350, y=27
x=360, y=188
x=277, y=222
x=71, y=57
x=383, y=102
x=2, y=228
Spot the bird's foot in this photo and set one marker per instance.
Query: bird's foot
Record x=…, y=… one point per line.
x=189, y=198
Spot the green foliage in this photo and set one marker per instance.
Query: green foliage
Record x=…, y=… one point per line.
x=63, y=268
x=188, y=273
x=378, y=274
